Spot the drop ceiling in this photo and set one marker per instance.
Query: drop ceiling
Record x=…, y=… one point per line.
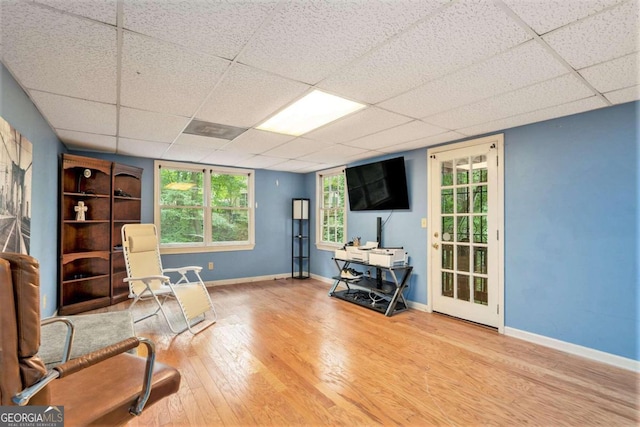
x=129, y=76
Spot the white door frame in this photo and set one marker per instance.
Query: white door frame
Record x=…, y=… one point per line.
x=498, y=140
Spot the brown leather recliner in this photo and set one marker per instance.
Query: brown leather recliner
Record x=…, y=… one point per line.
x=105, y=387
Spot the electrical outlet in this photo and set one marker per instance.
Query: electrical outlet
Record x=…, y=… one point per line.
x=423, y=222
x=211, y=265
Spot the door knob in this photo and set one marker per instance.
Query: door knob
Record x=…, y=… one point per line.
x=435, y=246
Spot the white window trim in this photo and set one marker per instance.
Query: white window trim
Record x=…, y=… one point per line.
x=180, y=248
x=326, y=246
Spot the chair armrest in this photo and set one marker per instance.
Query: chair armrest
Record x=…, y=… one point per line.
x=183, y=270
x=83, y=362
x=147, y=278
x=70, y=334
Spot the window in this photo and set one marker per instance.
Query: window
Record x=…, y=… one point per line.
x=201, y=208
x=332, y=214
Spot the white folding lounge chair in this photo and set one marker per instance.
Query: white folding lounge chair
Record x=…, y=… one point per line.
x=147, y=279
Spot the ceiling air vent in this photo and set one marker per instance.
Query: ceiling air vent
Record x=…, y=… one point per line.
x=213, y=130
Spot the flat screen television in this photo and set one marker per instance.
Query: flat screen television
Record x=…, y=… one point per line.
x=378, y=186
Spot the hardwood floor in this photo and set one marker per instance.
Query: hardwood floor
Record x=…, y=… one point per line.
x=284, y=353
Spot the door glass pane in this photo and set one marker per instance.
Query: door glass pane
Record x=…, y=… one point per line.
x=463, y=229
x=462, y=171
x=480, y=200
x=447, y=257
x=447, y=173
x=447, y=228
x=446, y=201
x=462, y=200
x=480, y=232
x=480, y=295
x=479, y=166
x=480, y=260
x=447, y=284
x=463, y=258
x=463, y=287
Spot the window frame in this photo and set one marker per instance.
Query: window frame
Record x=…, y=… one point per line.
x=320, y=244
x=207, y=245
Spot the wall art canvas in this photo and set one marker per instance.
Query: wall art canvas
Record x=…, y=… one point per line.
x=16, y=160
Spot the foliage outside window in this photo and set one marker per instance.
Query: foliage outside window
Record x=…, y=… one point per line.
x=202, y=208
x=332, y=214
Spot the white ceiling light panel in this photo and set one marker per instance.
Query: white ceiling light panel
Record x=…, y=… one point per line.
x=313, y=110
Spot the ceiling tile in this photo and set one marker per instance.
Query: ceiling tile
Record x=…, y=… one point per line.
x=150, y=126
x=569, y=108
x=403, y=133
x=423, y=142
x=157, y=76
x=87, y=141
x=308, y=40
x=137, y=148
x=76, y=114
x=521, y=66
x=262, y=162
x=557, y=91
x=220, y=28
x=225, y=158
x=197, y=141
x=53, y=52
x=624, y=95
x=256, y=141
x=297, y=165
x=616, y=74
x=364, y=122
x=607, y=35
x=334, y=153
x=99, y=10
x=247, y=96
x=462, y=34
x=297, y=148
x=546, y=15
x=183, y=153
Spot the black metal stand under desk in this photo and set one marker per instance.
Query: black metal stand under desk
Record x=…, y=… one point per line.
x=383, y=296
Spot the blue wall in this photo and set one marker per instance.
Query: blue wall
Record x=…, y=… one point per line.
x=18, y=110
x=571, y=223
x=272, y=252
x=571, y=229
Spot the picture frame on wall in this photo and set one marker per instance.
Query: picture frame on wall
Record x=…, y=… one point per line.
x=16, y=160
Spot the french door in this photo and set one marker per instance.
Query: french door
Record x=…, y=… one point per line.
x=465, y=249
